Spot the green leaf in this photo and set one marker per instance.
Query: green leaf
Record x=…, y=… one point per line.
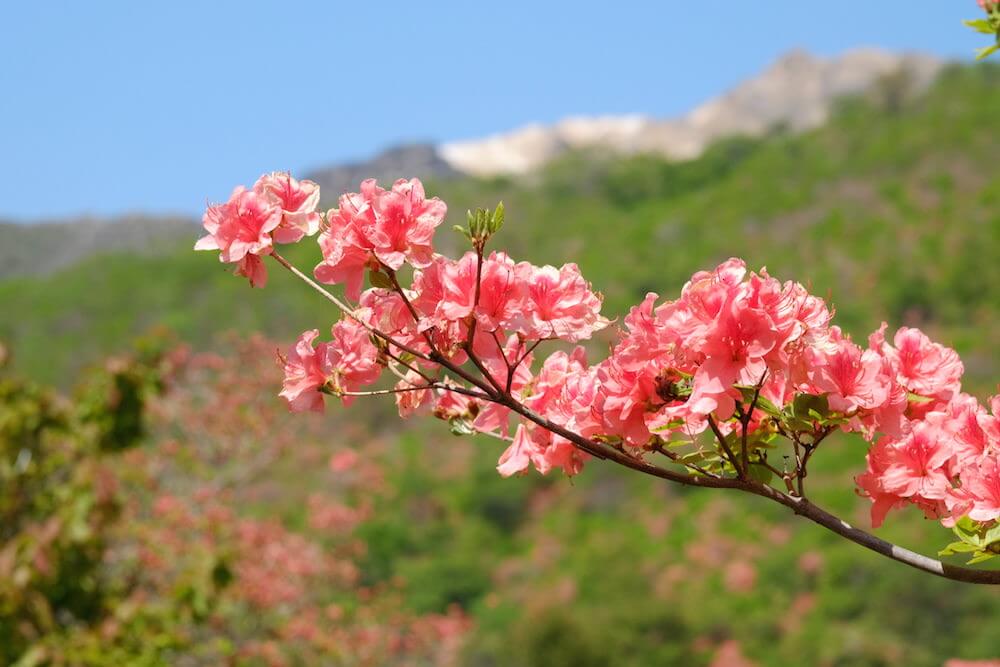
x=460, y=426
x=981, y=556
x=805, y=404
x=379, y=279
x=957, y=548
x=762, y=403
x=917, y=398
x=992, y=536
x=670, y=426
x=496, y=221
x=987, y=51
x=805, y=410
x=980, y=25
x=760, y=473
x=968, y=531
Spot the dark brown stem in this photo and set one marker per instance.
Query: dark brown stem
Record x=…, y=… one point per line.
x=725, y=446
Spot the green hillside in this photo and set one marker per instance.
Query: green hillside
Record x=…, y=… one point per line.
x=890, y=208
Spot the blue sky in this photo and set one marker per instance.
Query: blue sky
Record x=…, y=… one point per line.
x=111, y=107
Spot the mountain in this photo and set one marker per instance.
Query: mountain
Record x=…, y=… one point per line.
x=398, y=162
x=44, y=247
x=797, y=93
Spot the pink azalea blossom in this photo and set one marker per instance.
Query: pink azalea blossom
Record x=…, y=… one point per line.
x=982, y=484
x=735, y=346
x=558, y=304
x=536, y=446
x=870, y=483
x=410, y=400
x=387, y=312
x=347, y=252
x=493, y=416
x=304, y=374
x=923, y=366
x=522, y=451
x=242, y=226
x=547, y=387
x=852, y=379
x=376, y=227
x=252, y=267
x=623, y=399
x=453, y=405
x=350, y=361
x=404, y=224
x=499, y=290
x=917, y=464
x=296, y=199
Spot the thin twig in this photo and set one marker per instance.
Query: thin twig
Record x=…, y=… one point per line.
x=344, y=308
x=657, y=447
x=725, y=446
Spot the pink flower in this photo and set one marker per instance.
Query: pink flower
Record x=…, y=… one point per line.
x=350, y=361
x=453, y=405
x=735, y=345
x=924, y=367
x=917, y=464
x=533, y=445
x=870, y=483
x=575, y=408
x=982, y=484
x=296, y=199
x=405, y=221
x=344, y=460
x=963, y=418
x=623, y=399
x=376, y=227
x=346, y=250
x=520, y=454
x=547, y=388
x=252, y=267
x=559, y=304
x=240, y=227
x=498, y=290
x=388, y=313
x=852, y=378
x=649, y=336
x=410, y=400
x=304, y=374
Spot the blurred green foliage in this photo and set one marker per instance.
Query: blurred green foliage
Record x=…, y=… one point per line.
x=59, y=506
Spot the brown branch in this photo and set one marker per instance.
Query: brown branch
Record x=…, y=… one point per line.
x=725, y=446
x=345, y=309
x=799, y=505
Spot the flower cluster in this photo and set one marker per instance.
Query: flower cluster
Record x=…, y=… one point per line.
x=278, y=209
x=345, y=364
x=739, y=356
x=377, y=227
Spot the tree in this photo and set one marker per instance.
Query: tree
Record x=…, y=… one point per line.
x=701, y=391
